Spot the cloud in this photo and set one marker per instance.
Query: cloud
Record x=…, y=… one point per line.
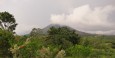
x=86, y=18
x=36, y=13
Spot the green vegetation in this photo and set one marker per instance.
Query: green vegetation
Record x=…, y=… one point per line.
x=7, y=21
x=61, y=42
x=7, y=25
x=62, y=37
x=6, y=40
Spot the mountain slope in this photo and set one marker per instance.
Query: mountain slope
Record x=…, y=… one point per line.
x=44, y=30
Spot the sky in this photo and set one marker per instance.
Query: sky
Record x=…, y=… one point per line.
x=92, y=16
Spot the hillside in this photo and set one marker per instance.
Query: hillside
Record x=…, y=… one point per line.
x=44, y=30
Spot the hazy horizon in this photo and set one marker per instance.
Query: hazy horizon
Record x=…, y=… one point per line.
x=92, y=16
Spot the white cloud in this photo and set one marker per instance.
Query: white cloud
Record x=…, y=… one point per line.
x=36, y=13
x=110, y=32
x=86, y=18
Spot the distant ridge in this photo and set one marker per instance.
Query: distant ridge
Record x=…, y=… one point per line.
x=44, y=30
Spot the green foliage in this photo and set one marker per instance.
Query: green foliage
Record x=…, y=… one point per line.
x=62, y=42
x=79, y=51
x=48, y=53
x=6, y=40
x=44, y=53
x=96, y=42
x=36, y=32
x=7, y=21
x=61, y=54
x=89, y=47
x=103, y=53
x=63, y=37
x=7, y=25
x=29, y=51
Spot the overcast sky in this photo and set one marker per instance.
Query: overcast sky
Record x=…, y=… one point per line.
x=93, y=16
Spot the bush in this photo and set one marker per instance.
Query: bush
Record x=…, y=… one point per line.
x=25, y=48
x=95, y=42
x=6, y=40
x=48, y=53
x=79, y=51
x=103, y=53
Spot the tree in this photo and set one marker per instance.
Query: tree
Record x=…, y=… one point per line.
x=7, y=21
x=62, y=36
x=6, y=39
x=7, y=26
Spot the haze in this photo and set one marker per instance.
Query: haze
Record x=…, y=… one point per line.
x=92, y=16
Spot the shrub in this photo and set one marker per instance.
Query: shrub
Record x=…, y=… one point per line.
x=103, y=53
x=95, y=42
x=6, y=40
x=79, y=51
x=60, y=54
x=48, y=53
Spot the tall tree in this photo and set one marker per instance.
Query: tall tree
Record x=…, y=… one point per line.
x=7, y=27
x=7, y=21
x=62, y=36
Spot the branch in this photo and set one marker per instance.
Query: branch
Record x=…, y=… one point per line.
x=1, y=25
